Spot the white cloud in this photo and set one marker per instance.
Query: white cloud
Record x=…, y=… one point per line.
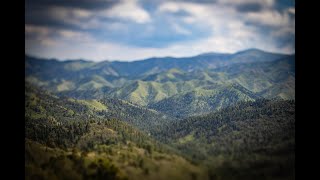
x=270, y=18
x=169, y=7
x=38, y=35
x=29, y=29
x=71, y=45
x=116, y=26
x=192, y=8
x=189, y=20
x=180, y=30
x=283, y=31
x=43, y=31
x=129, y=10
x=98, y=51
x=292, y=10
x=69, y=34
x=265, y=3
x=68, y=15
x=91, y=19
x=229, y=29
x=223, y=22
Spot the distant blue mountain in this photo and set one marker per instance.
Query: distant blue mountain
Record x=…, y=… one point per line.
x=149, y=66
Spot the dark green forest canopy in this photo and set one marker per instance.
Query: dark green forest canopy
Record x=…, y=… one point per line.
x=264, y=129
x=244, y=137
x=212, y=116
x=69, y=140
x=263, y=74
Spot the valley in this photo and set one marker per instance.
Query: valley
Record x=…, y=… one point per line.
x=211, y=116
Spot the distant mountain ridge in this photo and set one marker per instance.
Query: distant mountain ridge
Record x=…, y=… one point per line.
x=206, y=60
x=212, y=116
x=152, y=82
x=204, y=100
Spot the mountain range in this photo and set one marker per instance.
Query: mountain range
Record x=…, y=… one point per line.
x=155, y=82
x=211, y=116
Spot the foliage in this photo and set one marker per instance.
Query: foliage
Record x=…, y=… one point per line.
x=252, y=139
x=60, y=145
x=152, y=80
x=202, y=117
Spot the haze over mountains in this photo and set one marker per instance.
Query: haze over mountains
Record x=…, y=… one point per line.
x=200, y=84
x=211, y=116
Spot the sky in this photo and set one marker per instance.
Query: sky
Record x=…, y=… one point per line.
x=127, y=30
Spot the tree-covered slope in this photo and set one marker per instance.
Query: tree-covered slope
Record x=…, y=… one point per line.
x=66, y=108
x=207, y=60
x=67, y=140
x=80, y=75
x=253, y=140
x=175, y=90
x=274, y=79
x=113, y=162
x=269, y=79
x=94, y=139
x=203, y=100
x=148, y=92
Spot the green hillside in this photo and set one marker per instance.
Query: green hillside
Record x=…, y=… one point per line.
x=67, y=141
x=274, y=79
x=203, y=100
x=148, y=92
x=118, y=161
x=143, y=118
x=76, y=139
x=212, y=116
x=263, y=77
x=253, y=140
x=84, y=79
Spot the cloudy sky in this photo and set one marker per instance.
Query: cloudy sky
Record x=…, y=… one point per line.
x=136, y=29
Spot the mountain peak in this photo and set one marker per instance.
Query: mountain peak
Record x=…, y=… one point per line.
x=251, y=50
x=212, y=54
x=174, y=71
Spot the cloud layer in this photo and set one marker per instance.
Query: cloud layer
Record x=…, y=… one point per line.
x=136, y=29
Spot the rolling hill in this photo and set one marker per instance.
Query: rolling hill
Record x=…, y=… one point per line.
x=253, y=140
x=177, y=86
x=203, y=100
x=102, y=139
x=74, y=73
x=69, y=139
x=211, y=116
x=66, y=108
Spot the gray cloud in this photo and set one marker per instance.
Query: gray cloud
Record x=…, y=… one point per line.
x=84, y=4
x=41, y=12
x=249, y=7
x=145, y=28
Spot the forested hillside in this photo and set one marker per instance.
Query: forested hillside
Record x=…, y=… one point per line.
x=251, y=137
x=192, y=82
x=80, y=135
x=204, y=100
x=211, y=116
x=67, y=141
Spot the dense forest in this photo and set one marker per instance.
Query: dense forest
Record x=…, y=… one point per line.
x=68, y=142
x=212, y=116
x=264, y=129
